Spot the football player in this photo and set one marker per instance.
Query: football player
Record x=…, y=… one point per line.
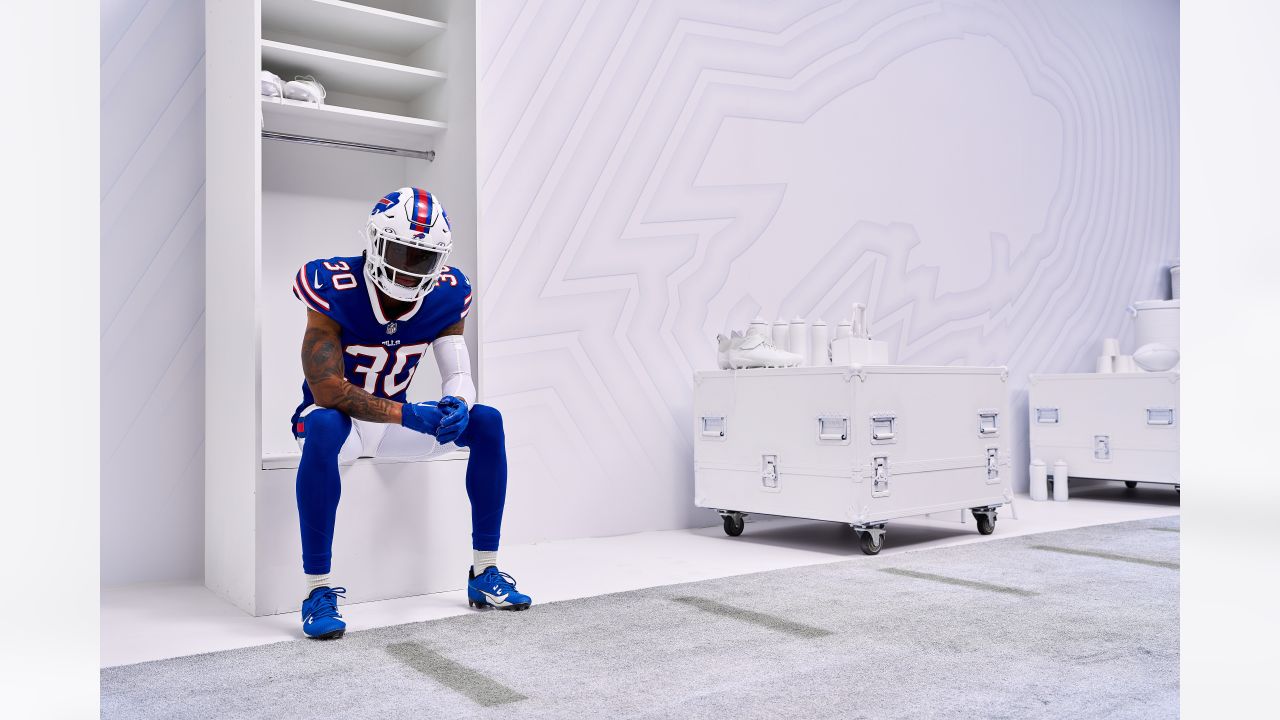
x=370, y=319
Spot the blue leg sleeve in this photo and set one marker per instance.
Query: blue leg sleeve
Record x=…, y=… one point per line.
x=486, y=475
x=319, y=486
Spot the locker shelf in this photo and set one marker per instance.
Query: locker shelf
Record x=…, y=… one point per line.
x=344, y=22
x=332, y=122
x=289, y=461
x=348, y=73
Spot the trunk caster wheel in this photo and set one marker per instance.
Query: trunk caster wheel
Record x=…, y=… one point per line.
x=1131, y=484
x=986, y=521
x=870, y=538
x=734, y=524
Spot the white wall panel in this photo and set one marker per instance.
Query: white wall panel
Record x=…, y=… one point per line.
x=152, y=302
x=997, y=180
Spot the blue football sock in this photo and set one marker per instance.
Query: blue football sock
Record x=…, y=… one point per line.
x=319, y=485
x=486, y=475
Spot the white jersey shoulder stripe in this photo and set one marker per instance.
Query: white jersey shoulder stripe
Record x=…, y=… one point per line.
x=302, y=296
x=306, y=286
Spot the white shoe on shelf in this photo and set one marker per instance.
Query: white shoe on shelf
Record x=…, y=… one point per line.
x=270, y=84
x=754, y=350
x=306, y=89
x=723, y=344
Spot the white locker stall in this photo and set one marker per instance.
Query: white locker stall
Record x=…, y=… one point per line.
x=861, y=445
x=1108, y=426
x=291, y=181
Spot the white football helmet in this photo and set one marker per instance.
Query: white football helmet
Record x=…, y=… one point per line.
x=409, y=242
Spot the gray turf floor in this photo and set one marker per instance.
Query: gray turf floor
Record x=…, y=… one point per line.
x=1077, y=623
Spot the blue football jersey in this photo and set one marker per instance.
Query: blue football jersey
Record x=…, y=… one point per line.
x=380, y=353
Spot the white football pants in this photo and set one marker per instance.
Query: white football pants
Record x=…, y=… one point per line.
x=371, y=439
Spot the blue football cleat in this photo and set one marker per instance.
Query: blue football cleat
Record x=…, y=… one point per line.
x=494, y=589
x=320, y=617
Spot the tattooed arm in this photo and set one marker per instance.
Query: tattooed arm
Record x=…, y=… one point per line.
x=322, y=364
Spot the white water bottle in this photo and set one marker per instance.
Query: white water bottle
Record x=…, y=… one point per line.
x=1039, y=481
x=860, y=329
x=798, y=341
x=780, y=334
x=760, y=325
x=1060, y=481
x=819, y=344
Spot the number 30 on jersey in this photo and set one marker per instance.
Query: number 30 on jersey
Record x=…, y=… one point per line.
x=406, y=363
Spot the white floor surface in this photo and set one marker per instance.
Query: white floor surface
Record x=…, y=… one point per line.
x=163, y=620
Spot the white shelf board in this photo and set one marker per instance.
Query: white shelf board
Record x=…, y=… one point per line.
x=331, y=122
x=291, y=460
x=348, y=73
x=350, y=24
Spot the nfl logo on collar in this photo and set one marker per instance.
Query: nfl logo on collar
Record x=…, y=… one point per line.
x=391, y=328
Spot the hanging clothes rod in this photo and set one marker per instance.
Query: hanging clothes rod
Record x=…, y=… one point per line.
x=428, y=155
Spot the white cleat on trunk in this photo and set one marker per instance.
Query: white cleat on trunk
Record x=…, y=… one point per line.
x=722, y=348
x=754, y=350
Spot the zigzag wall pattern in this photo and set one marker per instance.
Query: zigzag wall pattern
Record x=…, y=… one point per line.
x=997, y=180
x=152, y=302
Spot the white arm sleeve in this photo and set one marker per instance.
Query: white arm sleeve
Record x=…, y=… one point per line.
x=455, y=368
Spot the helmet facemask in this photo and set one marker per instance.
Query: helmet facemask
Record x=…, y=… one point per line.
x=405, y=271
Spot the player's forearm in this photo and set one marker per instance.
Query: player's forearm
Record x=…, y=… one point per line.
x=357, y=403
x=322, y=365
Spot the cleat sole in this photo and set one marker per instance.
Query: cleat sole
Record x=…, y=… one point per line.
x=333, y=635
x=481, y=605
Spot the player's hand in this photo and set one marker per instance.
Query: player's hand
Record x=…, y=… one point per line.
x=423, y=417
x=456, y=415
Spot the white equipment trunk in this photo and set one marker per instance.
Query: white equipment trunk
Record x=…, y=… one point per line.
x=859, y=445
x=1121, y=426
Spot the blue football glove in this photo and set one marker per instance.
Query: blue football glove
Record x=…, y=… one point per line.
x=424, y=417
x=456, y=416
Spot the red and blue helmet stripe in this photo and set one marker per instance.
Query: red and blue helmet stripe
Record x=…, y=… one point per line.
x=420, y=212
